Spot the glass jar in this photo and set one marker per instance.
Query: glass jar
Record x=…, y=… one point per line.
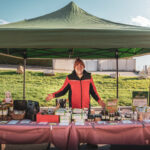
x=11, y=108
x=1, y=112
x=5, y=111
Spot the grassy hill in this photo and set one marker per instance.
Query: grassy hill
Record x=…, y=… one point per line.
x=38, y=86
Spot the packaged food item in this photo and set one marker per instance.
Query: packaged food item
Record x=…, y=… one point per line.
x=79, y=121
x=63, y=123
x=148, y=109
x=77, y=111
x=60, y=112
x=76, y=116
x=65, y=119
x=112, y=105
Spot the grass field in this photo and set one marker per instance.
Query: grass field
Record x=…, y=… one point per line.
x=38, y=86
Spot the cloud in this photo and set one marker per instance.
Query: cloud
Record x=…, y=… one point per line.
x=3, y=21
x=140, y=21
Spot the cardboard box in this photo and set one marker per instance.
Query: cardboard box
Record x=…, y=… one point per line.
x=47, y=118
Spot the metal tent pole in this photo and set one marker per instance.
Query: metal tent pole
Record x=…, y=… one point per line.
x=24, y=75
x=149, y=93
x=117, y=80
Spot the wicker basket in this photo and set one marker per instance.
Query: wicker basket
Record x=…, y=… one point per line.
x=4, y=118
x=18, y=116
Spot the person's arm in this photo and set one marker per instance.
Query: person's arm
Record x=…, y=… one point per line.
x=62, y=91
x=95, y=94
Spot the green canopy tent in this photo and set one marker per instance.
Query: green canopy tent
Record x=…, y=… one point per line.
x=72, y=32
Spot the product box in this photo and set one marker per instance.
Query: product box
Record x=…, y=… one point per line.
x=77, y=111
x=60, y=112
x=65, y=119
x=79, y=121
x=47, y=118
x=112, y=105
x=77, y=116
x=140, y=98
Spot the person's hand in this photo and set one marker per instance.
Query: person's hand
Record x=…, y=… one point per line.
x=101, y=102
x=103, y=105
x=49, y=97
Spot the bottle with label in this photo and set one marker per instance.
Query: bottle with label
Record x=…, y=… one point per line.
x=4, y=112
x=107, y=116
x=135, y=116
x=1, y=112
x=116, y=116
x=119, y=116
x=103, y=115
x=111, y=117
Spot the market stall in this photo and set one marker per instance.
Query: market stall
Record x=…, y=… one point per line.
x=84, y=36
x=71, y=32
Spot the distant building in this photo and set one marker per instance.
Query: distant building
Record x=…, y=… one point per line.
x=97, y=64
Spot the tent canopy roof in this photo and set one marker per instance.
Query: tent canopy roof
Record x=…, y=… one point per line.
x=70, y=17
x=72, y=32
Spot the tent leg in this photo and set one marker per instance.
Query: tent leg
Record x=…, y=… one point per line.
x=149, y=92
x=24, y=77
x=117, y=80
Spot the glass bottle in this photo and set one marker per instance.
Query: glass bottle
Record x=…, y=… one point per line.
x=103, y=115
x=107, y=116
x=135, y=116
x=111, y=117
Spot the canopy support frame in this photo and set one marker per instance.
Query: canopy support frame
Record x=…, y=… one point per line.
x=24, y=74
x=117, y=73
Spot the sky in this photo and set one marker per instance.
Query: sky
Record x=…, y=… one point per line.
x=135, y=12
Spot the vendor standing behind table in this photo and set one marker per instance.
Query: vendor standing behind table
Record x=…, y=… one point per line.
x=80, y=85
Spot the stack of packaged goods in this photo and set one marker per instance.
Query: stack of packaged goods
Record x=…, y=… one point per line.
x=65, y=120
x=60, y=112
x=65, y=117
x=79, y=116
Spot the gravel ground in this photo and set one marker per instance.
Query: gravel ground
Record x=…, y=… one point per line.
x=45, y=147
x=42, y=69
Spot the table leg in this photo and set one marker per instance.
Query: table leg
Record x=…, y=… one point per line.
x=48, y=146
x=3, y=146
